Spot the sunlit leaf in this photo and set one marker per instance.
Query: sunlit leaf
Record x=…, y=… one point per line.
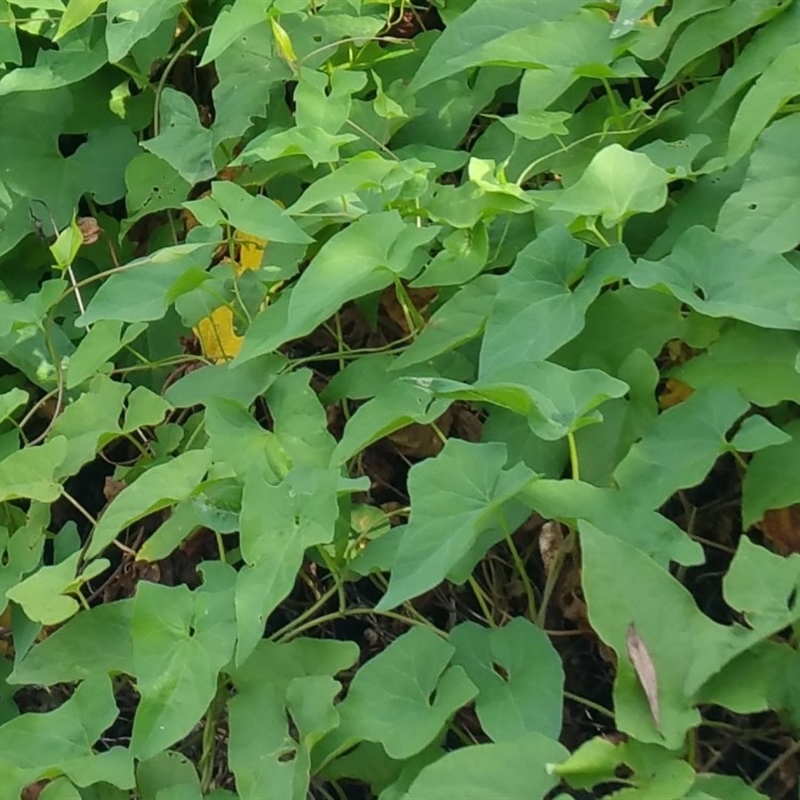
x=616, y=185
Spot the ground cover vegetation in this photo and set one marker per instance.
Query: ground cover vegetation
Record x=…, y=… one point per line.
x=399, y=400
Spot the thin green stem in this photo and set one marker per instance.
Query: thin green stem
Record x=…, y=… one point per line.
x=75, y=504
x=388, y=39
x=574, y=464
x=519, y=564
x=589, y=704
x=413, y=318
x=611, y=99
x=342, y=348
x=355, y=612
x=530, y=169
x=481, y=598
x=168, y=69
x=55, y=358
x=309, y=612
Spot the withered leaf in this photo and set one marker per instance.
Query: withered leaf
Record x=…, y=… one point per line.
x=645, y=671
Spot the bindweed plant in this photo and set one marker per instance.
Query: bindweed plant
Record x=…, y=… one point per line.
x=399, y=399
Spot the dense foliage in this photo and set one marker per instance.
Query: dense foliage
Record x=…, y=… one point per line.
x=398, y=400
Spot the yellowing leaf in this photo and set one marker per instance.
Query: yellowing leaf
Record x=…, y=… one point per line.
x=216, y=333
x=675, y=392
x=251, y=251
x=217, y=336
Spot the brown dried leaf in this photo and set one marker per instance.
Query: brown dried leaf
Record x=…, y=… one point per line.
x=421, y=441
x=550, y=541
x=112, y=487
x=782, y=527
x=645, y=671
x=89, y=229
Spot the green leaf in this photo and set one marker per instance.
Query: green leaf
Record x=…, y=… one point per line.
x=47, y=595
x=713, y=29
x=771, y=480
x=456, y=322
x=75, y=14
x=127, y=25
x=153, y=185
x=681, y=446
x=236, y=439
x=594, y=761
x=359, y=260
x=454, y=498
x=777, y=84
x=182, y=141
x=724, y=787
x=324, y=101
x=630, y=12
x=10, y=401
x=241, y=383
x=765, y=212
x=518, y=674
x=61, y=741
x=300, y=421
x=9, y=44
x=747, y=684
x=231, y=24
x=271, y=686
x=677, y=156
x=756, y=433
x=182, y=522
x=396, y=406
x=542, y=300
x=318, y=145
x=616, y=184
x=278, y=523
x=623, y=587
x=617, y=319
x=556, y=401
x=159, y=487
x=492, y=771
x=74, y=60
x=94, y=642
x=463, y=257
x=256, y=215
x=143, y=291
x=759, y=362
x=652, y=40
x=762, y=585
x=166, y=771
x=766, y=44
x=404, y=696
x=721, y=278
x=30, y=472
x=479, y=35
x=181, y=640
x=60, y=789
x=656, y=536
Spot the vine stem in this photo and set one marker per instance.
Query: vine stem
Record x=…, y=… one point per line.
x=787, y=755
x=164, y=75
x=519, y=564
x=479, y=596
x=574, y=464
x=355, y=612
